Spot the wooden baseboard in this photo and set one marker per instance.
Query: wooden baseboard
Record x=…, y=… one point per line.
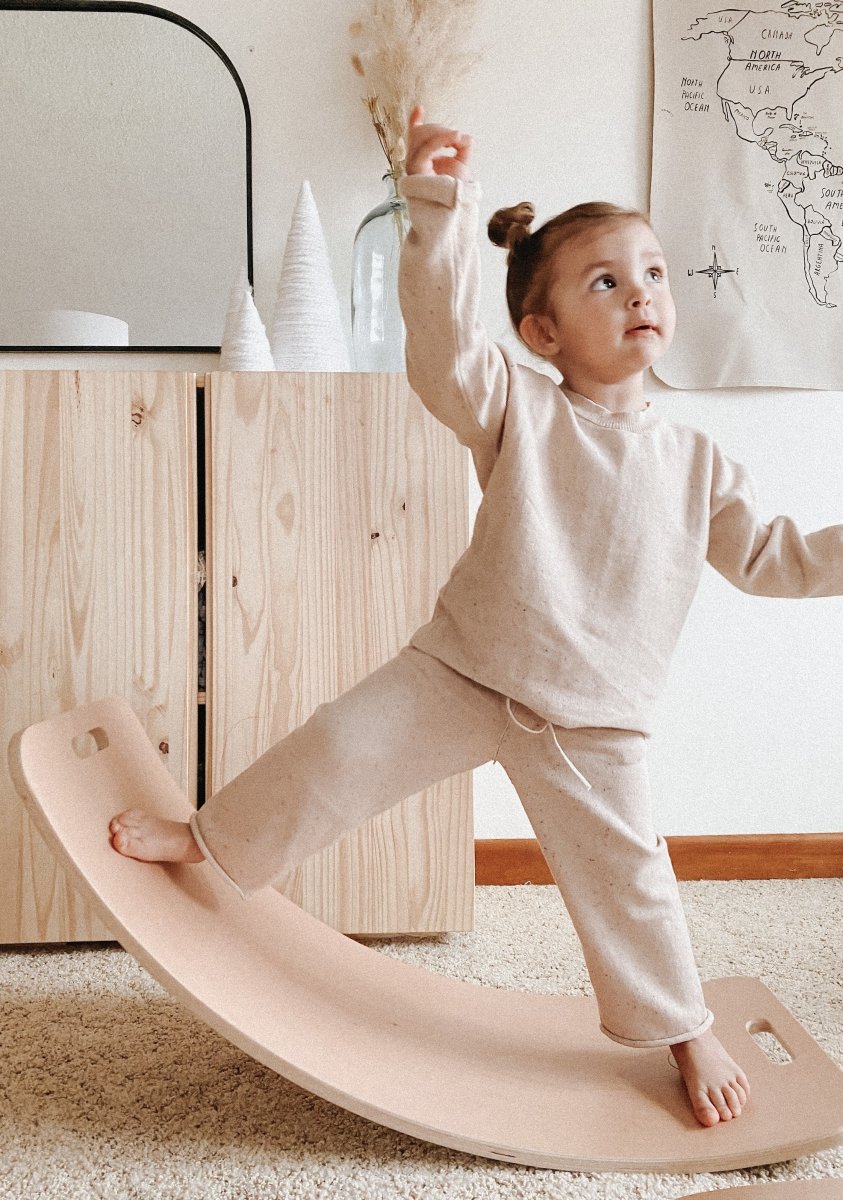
x=736, y=856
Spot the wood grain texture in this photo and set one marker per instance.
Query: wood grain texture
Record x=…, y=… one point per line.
x=758, y=856
x=97, y=590
x=336, y=508
x=507, y=861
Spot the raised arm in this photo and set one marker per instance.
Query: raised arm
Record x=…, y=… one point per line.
x=460, y=375
x=773, y=559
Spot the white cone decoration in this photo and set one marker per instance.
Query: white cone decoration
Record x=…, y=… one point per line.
x=245, y=346
x=306, y=331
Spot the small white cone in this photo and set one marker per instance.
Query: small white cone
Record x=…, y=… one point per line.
x=245, y=346
x=306, y=331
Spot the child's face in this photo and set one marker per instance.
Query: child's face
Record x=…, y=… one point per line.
x=610, y=312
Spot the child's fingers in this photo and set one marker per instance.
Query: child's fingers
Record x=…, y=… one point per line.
x=463, y=144
x=454, y=164
x=455, y=155
x=429, y=139
x=424, y=143
x=431, y=148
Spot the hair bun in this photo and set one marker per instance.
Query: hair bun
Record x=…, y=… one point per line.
x=509, y=226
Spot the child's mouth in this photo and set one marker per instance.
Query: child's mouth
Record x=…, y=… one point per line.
x=640, y=329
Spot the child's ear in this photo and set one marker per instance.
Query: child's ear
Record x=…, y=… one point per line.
x=539, y=332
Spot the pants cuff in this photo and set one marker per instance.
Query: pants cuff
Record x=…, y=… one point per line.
x=672, y=1040
x=209, y=858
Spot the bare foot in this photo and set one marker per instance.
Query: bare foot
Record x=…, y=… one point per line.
x=139, y=834
x=717, y=1087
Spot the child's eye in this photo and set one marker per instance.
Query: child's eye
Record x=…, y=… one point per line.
x=604, y=282
x=655, y=273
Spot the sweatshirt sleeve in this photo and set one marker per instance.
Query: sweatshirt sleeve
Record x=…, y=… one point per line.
x=773, y=559
x=459, y=374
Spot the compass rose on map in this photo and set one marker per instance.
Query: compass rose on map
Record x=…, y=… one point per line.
x=714, y=270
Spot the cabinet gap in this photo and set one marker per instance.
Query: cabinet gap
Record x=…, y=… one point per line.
x=201, y=605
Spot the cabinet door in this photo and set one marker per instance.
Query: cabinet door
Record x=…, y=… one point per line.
x=97, y=590
x=336, y=508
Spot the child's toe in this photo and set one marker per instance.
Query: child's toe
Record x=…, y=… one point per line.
x=125, y=840
x=705, y=1111
x=721, y=1103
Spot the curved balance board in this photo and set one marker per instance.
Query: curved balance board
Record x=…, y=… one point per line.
x=507, y=1075
x=794, y=1189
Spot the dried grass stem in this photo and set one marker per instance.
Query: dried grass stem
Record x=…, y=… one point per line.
x=410, y=52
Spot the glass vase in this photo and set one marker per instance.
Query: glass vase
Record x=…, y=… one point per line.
x=377, y=328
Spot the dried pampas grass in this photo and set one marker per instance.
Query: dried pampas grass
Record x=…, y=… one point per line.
x=410, y=52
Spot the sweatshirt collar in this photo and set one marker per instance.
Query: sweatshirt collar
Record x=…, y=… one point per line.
x=633, y=422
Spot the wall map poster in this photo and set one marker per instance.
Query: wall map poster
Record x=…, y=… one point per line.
x=747, y=190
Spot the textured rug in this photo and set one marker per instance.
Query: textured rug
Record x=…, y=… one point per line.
x=109, y=1089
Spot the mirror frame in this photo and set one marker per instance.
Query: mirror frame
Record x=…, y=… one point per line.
x=165, y=14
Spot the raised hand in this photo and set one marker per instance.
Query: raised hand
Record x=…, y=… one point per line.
x=436, y=150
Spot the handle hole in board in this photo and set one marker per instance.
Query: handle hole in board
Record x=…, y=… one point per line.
x=89, y=743
x=765, y=1037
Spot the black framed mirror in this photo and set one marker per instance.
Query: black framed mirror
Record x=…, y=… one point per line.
x=126, y=199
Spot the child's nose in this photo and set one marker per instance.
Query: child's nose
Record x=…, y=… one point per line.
x=640, y=297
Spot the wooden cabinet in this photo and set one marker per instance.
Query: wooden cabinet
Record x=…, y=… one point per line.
x=334, y=507
x=97, y=589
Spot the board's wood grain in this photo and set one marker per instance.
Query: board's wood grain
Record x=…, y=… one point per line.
x=336, y=508
x=97, y=589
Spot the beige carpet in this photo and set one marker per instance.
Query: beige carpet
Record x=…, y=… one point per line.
x=109, y=1089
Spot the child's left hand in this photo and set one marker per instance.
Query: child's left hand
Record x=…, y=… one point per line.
x=425, y=146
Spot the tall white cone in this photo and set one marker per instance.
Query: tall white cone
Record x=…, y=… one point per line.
x=306, y=331
x=245, y=346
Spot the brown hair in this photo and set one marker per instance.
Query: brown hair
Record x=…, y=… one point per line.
x=530, y=253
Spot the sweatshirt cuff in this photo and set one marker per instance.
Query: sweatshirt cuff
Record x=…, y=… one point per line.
x=439, y=189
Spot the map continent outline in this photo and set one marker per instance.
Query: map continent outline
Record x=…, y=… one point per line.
x=775, y=57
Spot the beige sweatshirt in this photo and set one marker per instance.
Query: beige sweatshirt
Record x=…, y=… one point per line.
x=594, y=527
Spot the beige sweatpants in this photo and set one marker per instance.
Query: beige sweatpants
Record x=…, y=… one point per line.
x=416, y=721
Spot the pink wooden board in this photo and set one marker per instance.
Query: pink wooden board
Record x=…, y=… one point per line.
x=792, y=1189
x=513, y=1076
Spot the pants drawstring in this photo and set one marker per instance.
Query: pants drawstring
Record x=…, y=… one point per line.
x=541, y=729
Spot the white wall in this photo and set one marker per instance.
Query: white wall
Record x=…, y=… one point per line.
x=748, y=736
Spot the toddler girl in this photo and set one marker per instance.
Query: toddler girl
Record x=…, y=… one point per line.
x=552, y=637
